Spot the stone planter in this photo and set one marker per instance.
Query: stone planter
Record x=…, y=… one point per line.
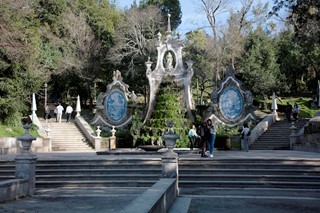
x=150, y=147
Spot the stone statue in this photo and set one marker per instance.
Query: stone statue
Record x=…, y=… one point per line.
x=133, y=96
x=249, y=97
x=116, y=75
x=169, y=61
x=214, y=97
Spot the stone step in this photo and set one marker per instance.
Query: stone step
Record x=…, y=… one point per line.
x=248, y=177
x=193, y=172
x=67, y=137
x=101, y=168
x=252, y=171
x=250, y=184
x=94, y=177
x=100, y=171
x=97, y=183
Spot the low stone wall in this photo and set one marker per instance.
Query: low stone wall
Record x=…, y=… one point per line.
x=307, y=138
x=10, y=145
x=307, y=142
x=263, y=126
x=86, y=129
x=157, y=199
x=13, y=189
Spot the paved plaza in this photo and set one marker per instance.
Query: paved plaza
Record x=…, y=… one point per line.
x=191, y=200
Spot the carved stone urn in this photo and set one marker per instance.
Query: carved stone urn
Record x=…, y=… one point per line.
x=170, y=138
x=26, y=139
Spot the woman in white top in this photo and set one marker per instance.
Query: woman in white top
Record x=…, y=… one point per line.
x=192, y=134
x=245, y=136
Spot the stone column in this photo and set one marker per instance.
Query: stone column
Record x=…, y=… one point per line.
x=293, y=135
x=170, y=165
x=113, y=139
x=26, y=169
x=97, y=140
x=26, y=162
x=170, y=158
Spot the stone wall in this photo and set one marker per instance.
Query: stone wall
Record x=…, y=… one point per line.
x=88, y=132
x=10, y=145
x=308, y=138
x=157, y=199
x=262, y=126
x=13, y=189
x=307, y=142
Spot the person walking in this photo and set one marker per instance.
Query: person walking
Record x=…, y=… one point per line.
x=59, y=112
x=211, y=136
x=202, y=131
x=245, y=137
x=69, y=111
x=295, y=111
x=47, y=113
x=288, y=111
x=55, y=113
x=193, y=136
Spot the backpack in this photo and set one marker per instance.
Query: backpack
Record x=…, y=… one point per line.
x=249, y=133
x=200, y=131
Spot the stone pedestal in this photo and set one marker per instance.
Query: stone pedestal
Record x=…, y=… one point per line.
x=170, y=165
x=113, y=143
x=26, y=169
x=97, y=143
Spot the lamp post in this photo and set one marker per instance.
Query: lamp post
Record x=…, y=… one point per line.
x=197, y=91
x=45, y=94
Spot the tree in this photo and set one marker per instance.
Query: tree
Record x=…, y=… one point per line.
x=233, y=36
x=41, y=39
x=259, y=66
x=134, y=38
x=20, y=74
x=166, y=7
x=289, y=60
x=304, y=16
x=198, y=49
x=212, y=8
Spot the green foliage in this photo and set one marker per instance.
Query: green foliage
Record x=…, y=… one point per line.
x=16, y=131
x=198, y=49
x=101, y=17
x=227, y=131
x=40, y=39
x=50, y=13
x=304, y=104
x=259, y=64
x=168, y=108
x=304, y=17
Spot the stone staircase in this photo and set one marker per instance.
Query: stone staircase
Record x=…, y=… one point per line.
x=298, y=174
x=277, y=136
x=91, y=173
x=67, y=137
x=249, y=173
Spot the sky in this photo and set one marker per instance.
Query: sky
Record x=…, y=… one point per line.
x=192, y=15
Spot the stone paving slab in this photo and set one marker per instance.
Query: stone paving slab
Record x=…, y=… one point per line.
x=75, y=200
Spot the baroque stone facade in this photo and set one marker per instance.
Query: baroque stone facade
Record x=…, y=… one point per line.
x=231, y=103
x=112, y=106
x=169, y=63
